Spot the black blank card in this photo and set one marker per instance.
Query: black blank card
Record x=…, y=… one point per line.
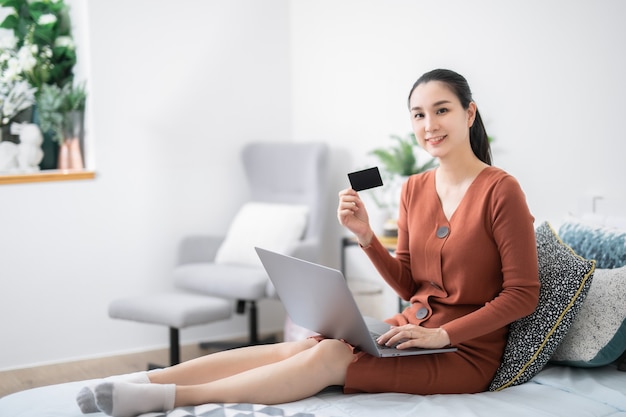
x=365, y=179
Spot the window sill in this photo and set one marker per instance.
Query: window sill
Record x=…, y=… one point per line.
x=46, y=176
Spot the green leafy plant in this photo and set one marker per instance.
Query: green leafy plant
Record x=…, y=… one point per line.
x=398, y=161
x=74, y=97
x=49, y=109
x=56, y=105
x=401, y=159
x=43, y=28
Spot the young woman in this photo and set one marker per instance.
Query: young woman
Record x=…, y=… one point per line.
x=466, y=260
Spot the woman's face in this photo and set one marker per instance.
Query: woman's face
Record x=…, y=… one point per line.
x=440, y=123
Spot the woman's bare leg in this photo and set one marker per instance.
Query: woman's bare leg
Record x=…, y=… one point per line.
x=227, y=363
x=296, y=377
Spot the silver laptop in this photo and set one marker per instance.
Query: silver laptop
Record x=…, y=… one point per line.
x=318, y=298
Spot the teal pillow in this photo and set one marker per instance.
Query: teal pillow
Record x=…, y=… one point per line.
x=607, y=245
x=565, y=280
x=598, y=334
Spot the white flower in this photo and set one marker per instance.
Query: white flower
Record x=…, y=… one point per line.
x=21, y=96
x=46, y=19
x=46, y=52
x=13, y=70
x=4, y=56
x=26, y=59
x=7, y=39
x=64, y=41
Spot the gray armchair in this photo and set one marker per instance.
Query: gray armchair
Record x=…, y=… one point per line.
x=277, y=172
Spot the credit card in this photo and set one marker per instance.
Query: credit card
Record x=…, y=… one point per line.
x=365, y=179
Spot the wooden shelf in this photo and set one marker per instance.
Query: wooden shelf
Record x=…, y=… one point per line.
x=46, y=176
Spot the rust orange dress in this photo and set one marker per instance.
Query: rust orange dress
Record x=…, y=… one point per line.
x=472, y=274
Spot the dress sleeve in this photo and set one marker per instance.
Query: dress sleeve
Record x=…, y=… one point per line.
x=391, y=269
x=395, y=270
x=514, y=235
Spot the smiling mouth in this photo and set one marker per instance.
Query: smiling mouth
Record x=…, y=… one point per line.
x=435, y=140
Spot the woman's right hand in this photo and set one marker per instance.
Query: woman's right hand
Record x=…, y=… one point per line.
x=352, y=214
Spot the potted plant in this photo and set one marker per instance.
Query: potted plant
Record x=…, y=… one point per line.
x=401, y=159
x=62, y=114
x=398, y=161
x=61, y=110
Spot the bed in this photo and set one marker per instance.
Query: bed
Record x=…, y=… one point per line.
x=562, y=360
x=555, y=391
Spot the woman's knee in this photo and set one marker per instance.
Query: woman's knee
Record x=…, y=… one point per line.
x=335, y=351
x=332, y=357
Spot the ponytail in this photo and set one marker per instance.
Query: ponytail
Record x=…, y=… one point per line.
x=479, y=140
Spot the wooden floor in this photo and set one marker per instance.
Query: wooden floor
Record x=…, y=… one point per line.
x=21, y=379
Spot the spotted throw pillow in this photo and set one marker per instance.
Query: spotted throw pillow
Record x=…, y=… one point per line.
x=565, y=280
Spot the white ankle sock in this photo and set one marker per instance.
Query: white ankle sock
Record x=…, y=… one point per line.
x=86, y=399
x=124, y=399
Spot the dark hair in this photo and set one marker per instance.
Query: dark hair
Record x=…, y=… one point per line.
x=459, y=86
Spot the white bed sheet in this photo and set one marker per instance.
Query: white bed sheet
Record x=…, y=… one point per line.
x=556, y=391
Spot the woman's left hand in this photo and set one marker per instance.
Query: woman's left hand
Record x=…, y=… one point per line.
x=412, y=335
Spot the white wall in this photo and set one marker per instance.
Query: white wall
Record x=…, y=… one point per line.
x=548, y=77
x=177, y=90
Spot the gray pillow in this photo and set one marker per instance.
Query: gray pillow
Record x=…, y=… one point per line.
x=598, y=334
x=565, y=280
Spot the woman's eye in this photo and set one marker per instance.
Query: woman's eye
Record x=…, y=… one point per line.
x=418, y=115
x=442, y=110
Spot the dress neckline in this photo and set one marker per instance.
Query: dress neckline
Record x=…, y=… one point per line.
x=463, y=199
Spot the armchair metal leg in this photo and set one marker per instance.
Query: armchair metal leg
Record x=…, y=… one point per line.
x=253, y=329
x=174, y=346
x=174, y=349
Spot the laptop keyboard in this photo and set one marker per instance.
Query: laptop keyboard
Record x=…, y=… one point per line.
x=375, y=336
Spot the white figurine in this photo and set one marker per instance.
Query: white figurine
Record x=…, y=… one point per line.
x=29, y=153
x=8, y=156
